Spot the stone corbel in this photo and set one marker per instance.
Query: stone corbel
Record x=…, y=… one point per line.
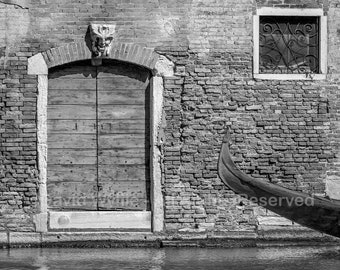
x=102, y=36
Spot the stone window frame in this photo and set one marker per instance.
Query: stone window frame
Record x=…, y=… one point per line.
x=160, y=68
x=308, y=12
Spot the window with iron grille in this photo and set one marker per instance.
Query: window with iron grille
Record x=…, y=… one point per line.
x=289, y=44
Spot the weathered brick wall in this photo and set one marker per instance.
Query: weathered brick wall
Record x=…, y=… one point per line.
x=284, y=131
x=280, y=129
x=18, y=181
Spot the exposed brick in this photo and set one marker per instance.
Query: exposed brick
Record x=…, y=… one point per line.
x=284, y=131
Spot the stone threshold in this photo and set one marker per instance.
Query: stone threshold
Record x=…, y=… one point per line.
x=159, y=240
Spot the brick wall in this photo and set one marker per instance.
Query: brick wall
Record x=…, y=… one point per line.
x=284, y=131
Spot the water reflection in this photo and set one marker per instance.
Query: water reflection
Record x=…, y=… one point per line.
x=311, y=258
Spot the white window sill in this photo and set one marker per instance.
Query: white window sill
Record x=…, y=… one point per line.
x=303, y=77
x=266, y=11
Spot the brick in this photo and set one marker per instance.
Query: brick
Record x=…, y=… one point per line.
x=286, y=131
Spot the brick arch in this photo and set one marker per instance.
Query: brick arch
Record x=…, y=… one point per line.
x=77, y=51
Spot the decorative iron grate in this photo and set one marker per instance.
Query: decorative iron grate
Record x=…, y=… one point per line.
x=289, y=45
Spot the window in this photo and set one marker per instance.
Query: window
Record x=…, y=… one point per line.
x=290, y=44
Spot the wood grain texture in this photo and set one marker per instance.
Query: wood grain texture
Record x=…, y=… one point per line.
x=123, y=156
x=65, y=141
x=72, y=97
x=126, y=126
x=125, y=195
x=122, y=97
x=73, y=112
x=71, y=126
x=71, y=83
x=98, y=138
x=72, y=195
x=121, y=141
x=122, y=112
x=72, y=156
x=72, y=143
x=120, y=172
x=72, y=173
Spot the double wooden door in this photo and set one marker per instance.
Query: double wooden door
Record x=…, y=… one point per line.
x=98, y=137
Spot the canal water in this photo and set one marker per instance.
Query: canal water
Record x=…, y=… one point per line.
x=293, y=258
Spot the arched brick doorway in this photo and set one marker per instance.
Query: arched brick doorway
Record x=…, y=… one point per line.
x=138, y=58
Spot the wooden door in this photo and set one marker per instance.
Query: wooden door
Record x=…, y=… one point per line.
x=123, y=137
x=72, y=139
x=98, y=138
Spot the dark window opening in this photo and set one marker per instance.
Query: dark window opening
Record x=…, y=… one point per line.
x=289, y=45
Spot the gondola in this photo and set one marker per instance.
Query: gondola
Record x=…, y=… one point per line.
x=315, y=212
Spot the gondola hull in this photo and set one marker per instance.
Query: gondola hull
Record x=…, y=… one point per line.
x=314, y=212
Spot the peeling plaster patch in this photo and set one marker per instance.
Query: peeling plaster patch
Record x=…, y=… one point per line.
x=23, y=4
x=16, y=22
x=169, y=25
x=164, y=67
x=169, y=28
x=44, y=23
x=198, y=36
x=333, y=188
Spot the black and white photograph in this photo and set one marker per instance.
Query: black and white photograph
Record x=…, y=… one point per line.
x=170, y=134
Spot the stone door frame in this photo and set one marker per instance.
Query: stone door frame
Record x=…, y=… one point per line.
x=159, y=66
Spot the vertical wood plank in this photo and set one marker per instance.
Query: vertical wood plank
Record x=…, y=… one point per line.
x=72, y=139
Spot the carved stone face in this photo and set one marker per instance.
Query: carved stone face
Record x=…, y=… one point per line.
x=102, y=36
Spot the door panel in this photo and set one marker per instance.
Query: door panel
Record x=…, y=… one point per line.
x=81, y=195
x=72, y=126
x=72, y=173
x=72, y=156
x=73, y=78
x=122, y=156
x=122, y=172
x=98, y=138
x=123, y=195
x=122, y=97
x=112, y=111
x=72, y=139
x=111, y=126
x=122, y=141
x=123, y=108
x=71, y=112
x=74, y=97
